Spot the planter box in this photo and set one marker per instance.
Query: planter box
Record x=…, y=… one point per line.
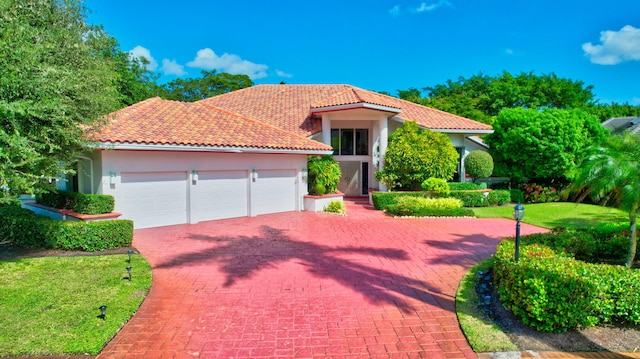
x=319, y=203
x=68, y=215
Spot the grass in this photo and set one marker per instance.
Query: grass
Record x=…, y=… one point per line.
x=50, y=305
x=558, y=214
x=481, y=332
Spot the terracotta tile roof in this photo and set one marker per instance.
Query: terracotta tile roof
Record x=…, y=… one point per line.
x=157, y=121
x=289, y=106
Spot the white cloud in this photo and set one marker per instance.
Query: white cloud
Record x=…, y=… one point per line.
x=424, y=7
x=395, y=11
x=509, y=51
x=615, y=47
x=283, y=74
x=139, y=51
x=172, y=67
x=233, y=64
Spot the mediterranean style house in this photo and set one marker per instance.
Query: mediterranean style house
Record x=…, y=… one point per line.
x=244, y=153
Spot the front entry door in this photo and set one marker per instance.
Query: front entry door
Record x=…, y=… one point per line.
x=350, y=180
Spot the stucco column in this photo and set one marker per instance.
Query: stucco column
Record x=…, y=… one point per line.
x=326, y=130
x=384, y=140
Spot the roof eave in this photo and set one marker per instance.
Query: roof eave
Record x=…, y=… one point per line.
x=355, y=106
x=200, y=148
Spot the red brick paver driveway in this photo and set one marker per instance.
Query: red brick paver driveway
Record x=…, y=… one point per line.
x=307, y=285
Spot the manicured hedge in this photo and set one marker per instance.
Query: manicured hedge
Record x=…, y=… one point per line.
x=23, y=227
x=382, y=200
x=466, y=186
x=416, y=206
x=471, y=198
x=498, y=197
x=552, y=291
x=78, y=202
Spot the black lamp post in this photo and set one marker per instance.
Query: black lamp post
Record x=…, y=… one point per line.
x=130, y=252
x=103, y=312
x=129, y=271
x=518, y=215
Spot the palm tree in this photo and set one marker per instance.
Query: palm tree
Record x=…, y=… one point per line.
x=610, y=172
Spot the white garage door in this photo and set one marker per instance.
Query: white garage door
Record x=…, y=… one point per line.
x=275, y=191
x=221, y=194
x=153, y=199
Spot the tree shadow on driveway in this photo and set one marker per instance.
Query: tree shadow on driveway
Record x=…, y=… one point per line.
x=241, y=257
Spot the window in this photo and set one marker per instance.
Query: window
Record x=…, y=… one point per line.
x=350, y=142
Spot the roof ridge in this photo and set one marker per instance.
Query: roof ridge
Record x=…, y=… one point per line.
x=260, y=123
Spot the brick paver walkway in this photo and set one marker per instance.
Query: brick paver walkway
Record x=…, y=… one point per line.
x=307, y=285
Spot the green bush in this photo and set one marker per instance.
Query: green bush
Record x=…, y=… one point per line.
x=471, y=198
x=436, y=185
x=516, y=195
x=324, y=175
x=464, y=186
x=499, y=197
x=418, y=206
x=23, y=227
x=535, y=193
x=478, y=164
x=336, y=207
x=382, y=200
x=78, y=202
x=415, y=154
x=552, y=291
x=93, y=203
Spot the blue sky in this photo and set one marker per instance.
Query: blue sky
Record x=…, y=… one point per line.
x=384, y=45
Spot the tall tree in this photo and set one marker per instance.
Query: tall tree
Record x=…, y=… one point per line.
x=481, y=97
x=54, y=87
x=541, y=145
x=611, y=172
x=210, y=84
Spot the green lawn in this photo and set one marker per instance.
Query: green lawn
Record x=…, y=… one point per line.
x=557, y=214
x=51, y=305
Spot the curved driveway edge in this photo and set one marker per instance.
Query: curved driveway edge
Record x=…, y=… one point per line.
x=307, y=285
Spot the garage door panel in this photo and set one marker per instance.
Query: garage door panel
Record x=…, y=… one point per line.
x=222, y=194
x=275, y=191
x=153, y=199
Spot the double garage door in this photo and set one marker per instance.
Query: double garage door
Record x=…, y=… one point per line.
x=154, y=199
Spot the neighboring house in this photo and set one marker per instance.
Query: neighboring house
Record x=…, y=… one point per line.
x=244, y=153
x=617, y=125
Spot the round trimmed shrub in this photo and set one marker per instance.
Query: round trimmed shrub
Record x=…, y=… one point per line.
x=436, y=185
x=478, y=164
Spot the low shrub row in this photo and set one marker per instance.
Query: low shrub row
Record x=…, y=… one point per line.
x=552, y=291
x=467, y=186
x=78, y=202
x=416, y=206
x=23, y=227
x=477, y=198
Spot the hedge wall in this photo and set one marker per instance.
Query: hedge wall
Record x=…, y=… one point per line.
x=78, y=202
x=23, y=227
x=552, y=291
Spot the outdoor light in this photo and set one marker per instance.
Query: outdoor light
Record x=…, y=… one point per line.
x=304, y=174
x=103, y=311
x=130, y=252
x=112, y=178
x=194, y=176
x=518, y=215
x=254, y=174
x=129, y=271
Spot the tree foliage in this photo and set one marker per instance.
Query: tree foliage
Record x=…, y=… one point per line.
x=324, y=175
x=414, y=155
x=210, y=84
x=478, y=164
x=55, y=83
x=610, y=172
x=481, y=97
x=541, y=144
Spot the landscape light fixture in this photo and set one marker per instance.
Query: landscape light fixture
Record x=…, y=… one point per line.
x=103, y=311
x=518, y=215
x=130, y=252
x=129, y=272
